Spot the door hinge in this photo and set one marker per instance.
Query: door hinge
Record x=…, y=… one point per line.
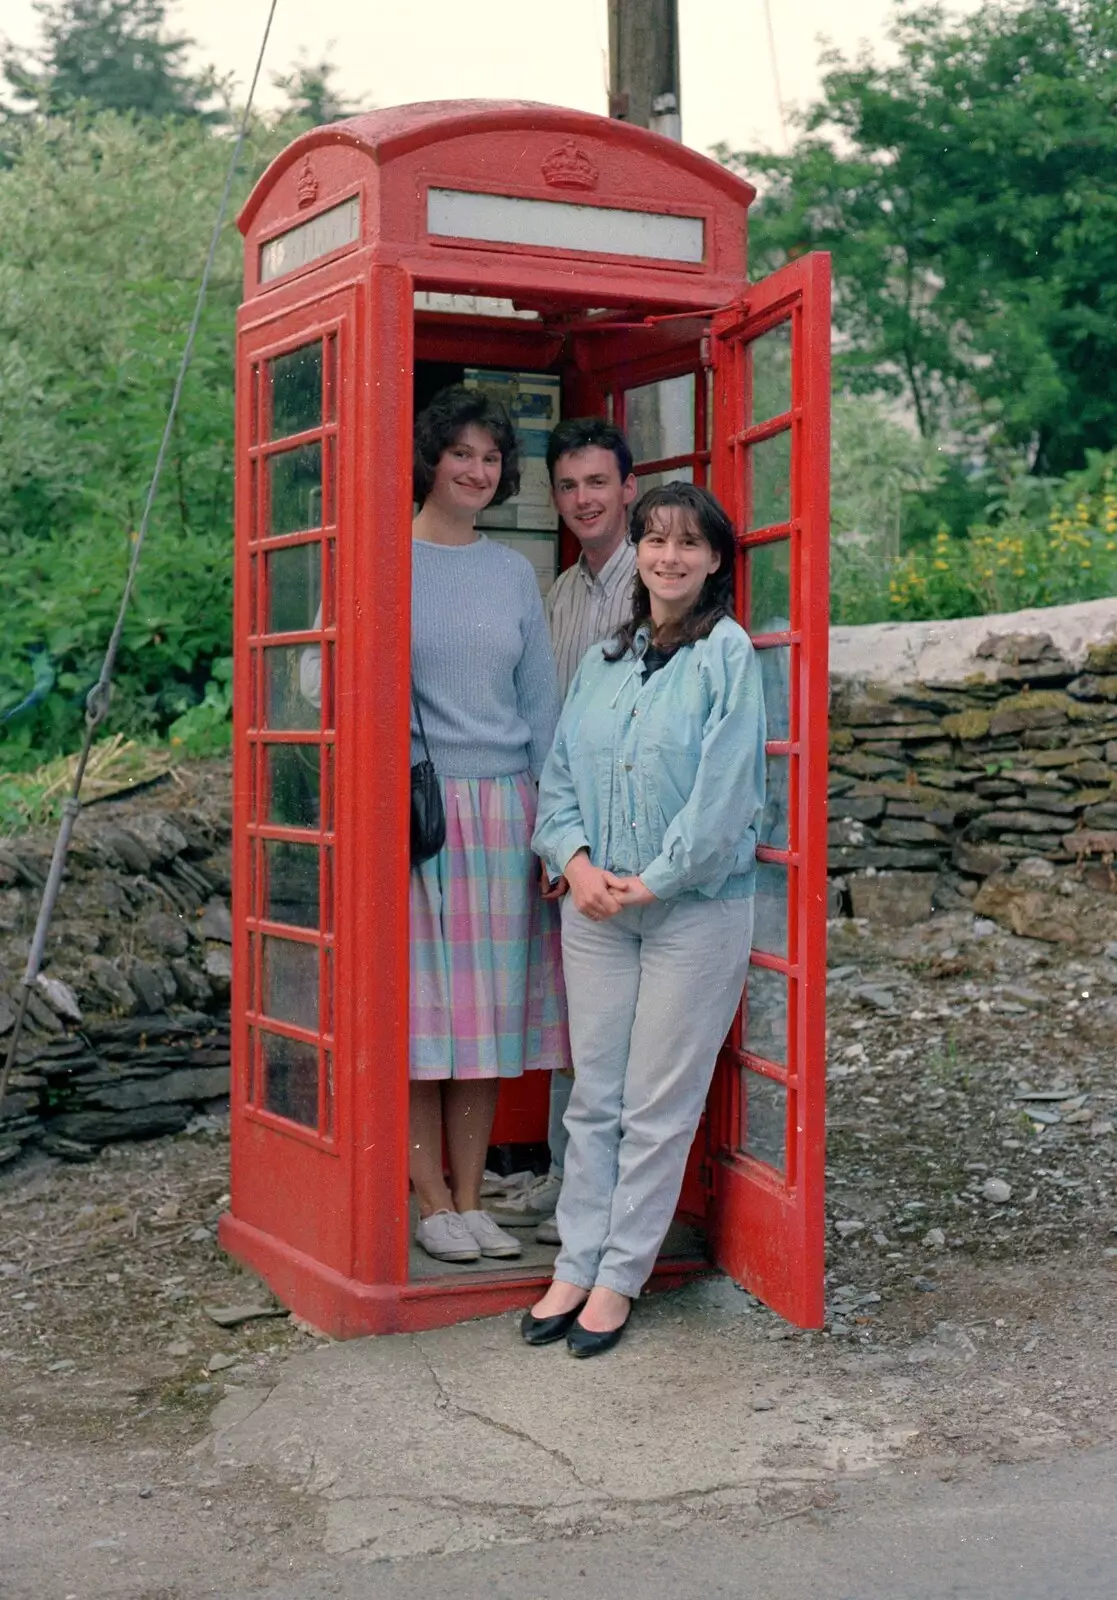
x=707, y=351
x=706, y=1174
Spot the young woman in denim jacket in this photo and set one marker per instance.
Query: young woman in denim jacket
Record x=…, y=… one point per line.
x=648, y=808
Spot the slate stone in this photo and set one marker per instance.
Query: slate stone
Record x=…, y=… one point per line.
x=1029, y=912
x=875, y=714
x=106, y=1127
x=1091, y=842
x=1091, y=771
x=1055, y=805
x=860, y=765
x=897, y=830
x=967, y=725
x=1048, y=672
x=994, y=822
x=944, y=777
x=193, y=986
x=938, y=815
x=219, y=969
x=59, y=996
x=216, y=922
x=111, y=985
x=148, y=987
x=40, y=1015
x=1094, y=687
x=1041, y=709
x=860, y=807
x=127, y=849
x=187, y=1085
x=855, y=858
x=1102, y=657
x=1018, y=648
x=165, y=933
x=896, y=899
x=908, y=733
x=158, y=835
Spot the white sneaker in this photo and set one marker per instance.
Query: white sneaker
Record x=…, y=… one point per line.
x=489, y=1239
x=547, y=1232
x=445, y=1236
x=531, y=1204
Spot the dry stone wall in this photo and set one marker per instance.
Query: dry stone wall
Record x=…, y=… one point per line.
x=938, y=786
x=127, y=1033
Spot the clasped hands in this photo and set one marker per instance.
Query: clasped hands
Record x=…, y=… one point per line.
x=596, y=893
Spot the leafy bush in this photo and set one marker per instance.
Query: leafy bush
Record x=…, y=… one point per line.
x=1043, y=543
x=104, y=226
x=206, y=729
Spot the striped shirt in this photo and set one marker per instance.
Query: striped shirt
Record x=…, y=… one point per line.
x=583, y=610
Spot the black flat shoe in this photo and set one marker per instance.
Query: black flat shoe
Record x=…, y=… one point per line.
x=584, y=1342
x=547, y=1330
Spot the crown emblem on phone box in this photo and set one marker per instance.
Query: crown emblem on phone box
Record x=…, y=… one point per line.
x=307, y=188
x=570, y=168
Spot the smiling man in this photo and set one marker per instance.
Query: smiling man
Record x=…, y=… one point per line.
x=593, y=486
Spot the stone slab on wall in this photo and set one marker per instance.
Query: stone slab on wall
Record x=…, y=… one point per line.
x=937, y=652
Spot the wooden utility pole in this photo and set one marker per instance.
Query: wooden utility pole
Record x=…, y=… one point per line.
x=644, y=64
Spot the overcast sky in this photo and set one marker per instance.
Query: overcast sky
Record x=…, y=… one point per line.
x=533, y=49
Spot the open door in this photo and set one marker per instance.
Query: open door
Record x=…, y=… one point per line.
x=770, y=354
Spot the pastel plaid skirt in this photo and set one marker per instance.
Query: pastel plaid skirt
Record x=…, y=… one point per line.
x=487, y=998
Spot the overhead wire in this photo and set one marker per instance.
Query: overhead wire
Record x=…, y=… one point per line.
x=100, y=696
x=773, y=59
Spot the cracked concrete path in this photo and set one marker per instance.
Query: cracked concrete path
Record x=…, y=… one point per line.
x=455, y=1440
x=1044, y=1531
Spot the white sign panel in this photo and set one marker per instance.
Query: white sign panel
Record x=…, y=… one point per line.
x=558, y=225
x=329, y=230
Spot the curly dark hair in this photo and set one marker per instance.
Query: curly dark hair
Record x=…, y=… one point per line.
x=583, y=433
x=442, y=424
x=716, y=598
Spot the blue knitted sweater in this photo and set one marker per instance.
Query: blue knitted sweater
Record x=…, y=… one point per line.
x=481, y=661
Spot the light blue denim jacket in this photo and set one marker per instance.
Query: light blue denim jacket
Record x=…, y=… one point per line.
x=663, y=778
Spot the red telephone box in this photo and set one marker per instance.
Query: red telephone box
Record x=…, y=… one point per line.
x=386, y=256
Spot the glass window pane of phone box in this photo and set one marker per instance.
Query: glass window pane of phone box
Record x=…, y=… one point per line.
x=527, y=522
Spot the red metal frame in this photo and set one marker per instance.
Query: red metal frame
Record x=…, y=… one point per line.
x=321, y=1210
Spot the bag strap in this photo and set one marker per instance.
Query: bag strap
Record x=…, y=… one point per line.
x=419, y=720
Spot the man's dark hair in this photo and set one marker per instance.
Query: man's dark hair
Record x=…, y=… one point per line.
x=442, y=424
x=716, y=598
x=584, y=433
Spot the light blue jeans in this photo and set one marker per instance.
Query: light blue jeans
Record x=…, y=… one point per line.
x=651, y=996
x=561, y=1085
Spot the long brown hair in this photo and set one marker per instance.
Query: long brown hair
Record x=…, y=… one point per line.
x=716, y=597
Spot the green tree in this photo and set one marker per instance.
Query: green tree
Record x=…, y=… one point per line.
x=104, y=226
x=312, y=95
x=969, y=196
x=104, y=55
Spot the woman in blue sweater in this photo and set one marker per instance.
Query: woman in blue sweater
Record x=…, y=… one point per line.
x=648, y=808
x=486, y=985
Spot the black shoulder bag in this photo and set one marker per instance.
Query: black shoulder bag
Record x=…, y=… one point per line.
x=428, y=816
